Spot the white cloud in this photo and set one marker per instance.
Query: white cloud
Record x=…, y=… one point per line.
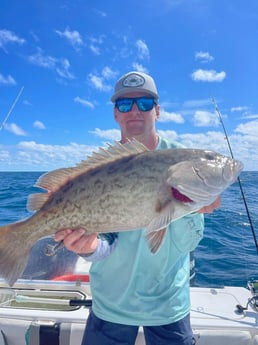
x=249, y=128
x=195, y=103
x=99, y=81
x=242, y=145
x=143, y=50
x=139, y=67
x=108, y=73
x=100, y=13
x=29, y=155
x=212, y=140
x=203, y=57
x=33, y=154
x=9, y=80
x=60, y=66
x=84, y=102
x=41, y=60
x=203, y=118
x=7, y=37
x=166, y=116
x=64, y=70
x=13, y=128
x=239, y=109
x=26, y=102
x=96, y=43
x=250, y=116
x=95, y=50
x=39, y=125
x=73, y=37
x=170, y=135
x=109, y=134
x=4, y=155
x=97, y=40
x=208, y=75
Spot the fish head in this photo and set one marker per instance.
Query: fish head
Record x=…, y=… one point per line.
x=204, y=177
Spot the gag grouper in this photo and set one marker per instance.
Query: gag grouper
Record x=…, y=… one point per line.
x=122, y=187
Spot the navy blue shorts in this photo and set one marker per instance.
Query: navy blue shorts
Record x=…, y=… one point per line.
x=100, y=332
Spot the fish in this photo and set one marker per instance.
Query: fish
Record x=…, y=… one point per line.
x=118, y=188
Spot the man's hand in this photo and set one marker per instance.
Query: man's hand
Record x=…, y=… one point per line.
x=210, y=208
x=76, y=241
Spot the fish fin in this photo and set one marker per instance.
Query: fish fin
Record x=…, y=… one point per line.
x=14, y=255
x=55, y=179
x=165, y=216
x=156, y=230
x=168, y=211
x=36, y=201
x=155, y=239
x=113, y=153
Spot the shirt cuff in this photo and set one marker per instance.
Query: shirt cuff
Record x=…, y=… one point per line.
x=103, y=250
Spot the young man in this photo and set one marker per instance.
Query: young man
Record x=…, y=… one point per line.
x=131, y=287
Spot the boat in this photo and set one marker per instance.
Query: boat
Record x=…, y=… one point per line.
x=37, y=312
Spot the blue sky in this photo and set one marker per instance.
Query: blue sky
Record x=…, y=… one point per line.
x=68, y=55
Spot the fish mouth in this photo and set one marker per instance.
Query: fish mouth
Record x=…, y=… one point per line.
x=232, y=170
x=179, y=196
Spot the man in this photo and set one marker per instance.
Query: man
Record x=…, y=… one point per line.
x=130, y=286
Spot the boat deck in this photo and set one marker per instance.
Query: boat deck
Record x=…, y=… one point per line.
x=214, y=316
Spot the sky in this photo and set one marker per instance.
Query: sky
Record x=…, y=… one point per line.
x=59, y=61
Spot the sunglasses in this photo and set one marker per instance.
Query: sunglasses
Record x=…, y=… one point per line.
x=143, y=103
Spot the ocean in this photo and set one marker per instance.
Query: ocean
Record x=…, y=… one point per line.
x=226, y=255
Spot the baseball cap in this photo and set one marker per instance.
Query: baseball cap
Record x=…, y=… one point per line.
x=135, y=81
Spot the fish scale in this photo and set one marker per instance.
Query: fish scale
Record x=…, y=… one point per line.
x=124, y=187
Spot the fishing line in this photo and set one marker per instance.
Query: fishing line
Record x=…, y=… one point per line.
x=238, y=179
x=11, y=109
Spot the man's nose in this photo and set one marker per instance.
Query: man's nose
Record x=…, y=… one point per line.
x=135, y=107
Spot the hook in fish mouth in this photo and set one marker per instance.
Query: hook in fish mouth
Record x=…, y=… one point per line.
x=51, y=250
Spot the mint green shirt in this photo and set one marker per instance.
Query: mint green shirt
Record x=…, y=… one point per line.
x=135, y=287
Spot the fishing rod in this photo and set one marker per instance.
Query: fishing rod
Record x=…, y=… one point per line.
x=11, y=109
x=238, y=179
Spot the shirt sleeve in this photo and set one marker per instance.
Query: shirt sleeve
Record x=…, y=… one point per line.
x=103, y=250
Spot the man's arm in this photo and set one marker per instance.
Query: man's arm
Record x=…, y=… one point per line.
x=89, y=247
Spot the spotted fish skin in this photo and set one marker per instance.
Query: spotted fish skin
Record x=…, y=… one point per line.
x=123, y=187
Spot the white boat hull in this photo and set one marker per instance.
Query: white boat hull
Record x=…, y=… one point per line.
x=214, y=318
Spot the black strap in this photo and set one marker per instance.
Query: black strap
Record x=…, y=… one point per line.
x=49, y=334
x=45, y=334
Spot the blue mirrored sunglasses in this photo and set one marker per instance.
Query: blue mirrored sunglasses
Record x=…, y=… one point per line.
x=143, y=103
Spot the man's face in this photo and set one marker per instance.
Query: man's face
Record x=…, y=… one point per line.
x=136, y=122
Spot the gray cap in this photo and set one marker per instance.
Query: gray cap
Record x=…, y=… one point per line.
x=135, y=81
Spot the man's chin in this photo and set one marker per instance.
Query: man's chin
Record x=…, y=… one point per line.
x=135, y=129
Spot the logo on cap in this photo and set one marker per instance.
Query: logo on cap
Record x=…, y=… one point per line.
x=133, y=80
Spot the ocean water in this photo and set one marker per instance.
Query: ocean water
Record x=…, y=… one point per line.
x=227, y=254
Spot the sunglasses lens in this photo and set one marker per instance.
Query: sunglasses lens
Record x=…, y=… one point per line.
x=124, y=105
x=145, y=104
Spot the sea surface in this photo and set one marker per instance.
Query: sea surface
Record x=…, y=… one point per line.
x=227, y=255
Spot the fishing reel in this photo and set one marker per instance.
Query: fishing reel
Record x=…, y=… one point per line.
x=252, y=285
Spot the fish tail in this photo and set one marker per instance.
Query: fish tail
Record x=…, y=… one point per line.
x=13, y=254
